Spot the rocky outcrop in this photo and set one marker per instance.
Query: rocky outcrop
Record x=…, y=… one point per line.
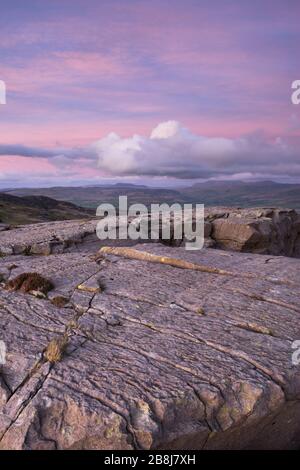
x=262, y=231
x=47, y=238
x=265, y=231
x=157, y=349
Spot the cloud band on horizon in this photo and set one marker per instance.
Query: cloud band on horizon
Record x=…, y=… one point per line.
x=174, y=151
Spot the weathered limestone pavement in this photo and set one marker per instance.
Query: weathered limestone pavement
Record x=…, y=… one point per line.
x=263, y=231
x=127, y=352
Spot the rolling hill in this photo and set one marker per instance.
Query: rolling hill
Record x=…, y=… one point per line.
x=31, y=209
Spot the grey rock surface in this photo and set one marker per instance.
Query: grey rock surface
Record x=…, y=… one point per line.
x=155, y=357
x=47, y=237
x=263, y=231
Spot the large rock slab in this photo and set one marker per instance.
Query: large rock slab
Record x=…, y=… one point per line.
x=157, y=357
x=264, y=231
x=47, y=237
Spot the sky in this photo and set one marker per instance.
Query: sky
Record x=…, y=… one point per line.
x=162, y=92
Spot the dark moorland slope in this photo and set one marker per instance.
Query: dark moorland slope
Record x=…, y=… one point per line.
x=31, y=209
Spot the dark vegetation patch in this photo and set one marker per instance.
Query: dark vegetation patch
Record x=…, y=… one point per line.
x=27, y=282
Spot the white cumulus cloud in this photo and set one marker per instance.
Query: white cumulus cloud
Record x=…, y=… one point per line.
x=172, y=150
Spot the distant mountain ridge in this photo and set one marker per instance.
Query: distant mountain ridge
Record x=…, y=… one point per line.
x=91, y=197
x=243, y=194
x=212, y=193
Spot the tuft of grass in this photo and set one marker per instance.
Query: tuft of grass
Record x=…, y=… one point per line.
x=27, y=282
x=59, y=301
x=56, y=348
x=200, y=311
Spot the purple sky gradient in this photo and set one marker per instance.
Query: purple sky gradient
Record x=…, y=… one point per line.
x=78, y=70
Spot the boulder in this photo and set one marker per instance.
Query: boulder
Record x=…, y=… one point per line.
x=265, y=231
